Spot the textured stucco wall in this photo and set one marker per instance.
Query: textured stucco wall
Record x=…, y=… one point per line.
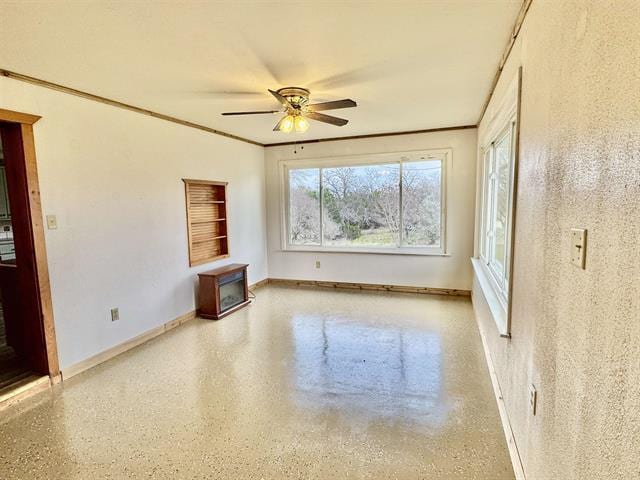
x=576, y=333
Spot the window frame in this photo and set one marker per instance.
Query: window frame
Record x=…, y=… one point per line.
x=444, y=155
x=497, y=287
x=489, y=196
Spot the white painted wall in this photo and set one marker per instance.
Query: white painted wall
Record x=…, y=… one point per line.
x=113, y=178
x=451, y=271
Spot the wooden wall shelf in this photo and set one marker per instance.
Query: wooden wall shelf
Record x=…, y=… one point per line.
x=206, y=220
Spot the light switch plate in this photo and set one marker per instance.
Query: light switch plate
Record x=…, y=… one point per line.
x=578, y=247
x=115, y=314
x=52, y=222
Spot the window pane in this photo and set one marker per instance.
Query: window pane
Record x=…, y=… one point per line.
x=422, y=203
x=486, y=200
x=361, y=205
x=501, y=208
x=304, y=206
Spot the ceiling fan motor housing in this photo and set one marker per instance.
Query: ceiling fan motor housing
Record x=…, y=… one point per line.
x=297, y=110
x=297, y=97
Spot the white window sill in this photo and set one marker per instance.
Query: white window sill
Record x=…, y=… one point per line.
x=376, y=251
x=497, y=306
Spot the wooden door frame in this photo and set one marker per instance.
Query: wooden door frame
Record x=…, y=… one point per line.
x=26, y=122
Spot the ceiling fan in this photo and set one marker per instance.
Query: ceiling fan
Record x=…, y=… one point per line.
x=297, y=110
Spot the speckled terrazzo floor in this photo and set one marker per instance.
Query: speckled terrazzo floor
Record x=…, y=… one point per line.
x=303, y=384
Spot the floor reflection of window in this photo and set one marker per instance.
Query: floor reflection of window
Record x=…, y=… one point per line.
x=380, y=370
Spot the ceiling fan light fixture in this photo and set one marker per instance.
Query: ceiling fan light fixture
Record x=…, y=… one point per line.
x=287, y=124
x=301, y=124
x=298, y=111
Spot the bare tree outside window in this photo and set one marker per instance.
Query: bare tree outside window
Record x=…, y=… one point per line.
x=360, y=205
x=421, y=202
x=502, y=155
x=304, y=206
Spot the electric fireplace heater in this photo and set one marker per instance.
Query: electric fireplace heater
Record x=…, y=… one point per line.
x=223, y=291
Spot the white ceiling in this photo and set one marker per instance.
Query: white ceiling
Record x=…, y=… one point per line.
x=410, y=65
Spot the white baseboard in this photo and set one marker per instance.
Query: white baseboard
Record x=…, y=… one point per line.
x=134, y=342
x=123, y=347
x=516, y=461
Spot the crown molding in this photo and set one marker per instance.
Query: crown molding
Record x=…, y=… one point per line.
x=118, y=104
x=126, y=106
x=505, y=56
x=372, y=135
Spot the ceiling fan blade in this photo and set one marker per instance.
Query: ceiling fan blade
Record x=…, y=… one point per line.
x=321, y=117
x=346, y=103
x=251, y=113
x=280, y=98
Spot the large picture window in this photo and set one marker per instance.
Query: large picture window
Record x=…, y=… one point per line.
x=388, y=203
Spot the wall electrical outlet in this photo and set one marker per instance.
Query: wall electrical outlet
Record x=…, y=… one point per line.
x=533, y=399
x=115, y=314
x=317, y=263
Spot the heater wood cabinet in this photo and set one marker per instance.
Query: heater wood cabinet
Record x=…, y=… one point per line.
x=223, y=291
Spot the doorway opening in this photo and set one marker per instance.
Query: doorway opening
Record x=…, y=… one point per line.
x=27, y=336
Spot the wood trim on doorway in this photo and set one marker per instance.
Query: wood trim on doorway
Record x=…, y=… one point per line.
x=26, y=122
x=17, y=117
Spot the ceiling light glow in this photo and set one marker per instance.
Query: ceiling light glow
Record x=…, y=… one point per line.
x=302, y=124
x=287, y=124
